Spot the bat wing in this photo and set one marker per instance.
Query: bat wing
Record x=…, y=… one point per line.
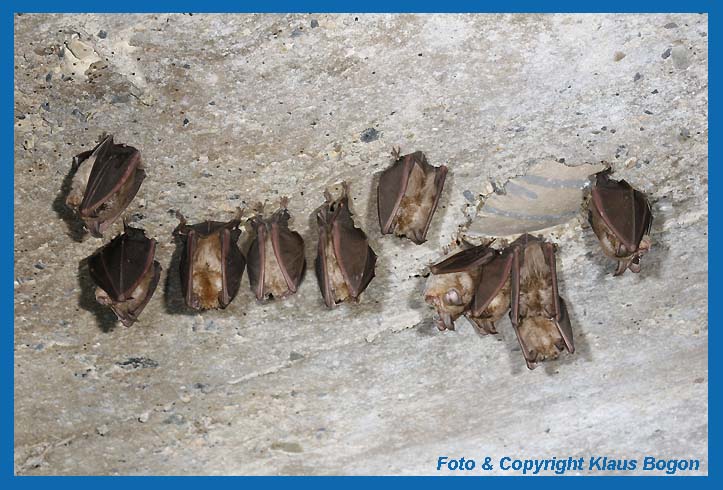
x=494, y=275
x=643, y=214
x=464, y=260
x=289, y=250
x=562, y=320
x=120, y=266
x=440, y=177
x=128, y=316
x=620, y=209
x=233, y=266
x=322, y=274
x=355, y=257
x=186, y=265
x=392, y=186
x=113, y=166
x=255, y=261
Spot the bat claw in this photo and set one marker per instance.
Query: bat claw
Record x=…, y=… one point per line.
x=396, y=152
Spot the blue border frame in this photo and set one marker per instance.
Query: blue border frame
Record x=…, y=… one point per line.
x=9, y=7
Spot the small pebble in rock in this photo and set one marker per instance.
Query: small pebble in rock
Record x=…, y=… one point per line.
x=468, y=195
x=186, y=121
x=666, y=53
x=295, y=356
x=40, y=266
x=186, y=66
x=143, y=418
x=102, y=430
x=45, y=106
x=314, y=23
x=369, y=135
x=637, y=77
x=654, y=91
x=102, y=34
x=670, y=25
x=618, y=55
x=648, y=112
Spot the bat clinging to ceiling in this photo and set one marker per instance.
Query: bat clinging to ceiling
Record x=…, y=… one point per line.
x=212, y=263
x=538, y=313
x=408, y=195
x=621, y=218
x=126, y=274
x=275, y=260
x=106, y=180
x=453, y=283
x=345, y=262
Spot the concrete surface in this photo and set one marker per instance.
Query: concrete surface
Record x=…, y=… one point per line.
x=236, y=109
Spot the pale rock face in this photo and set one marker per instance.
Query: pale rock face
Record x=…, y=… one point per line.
x=252, y=107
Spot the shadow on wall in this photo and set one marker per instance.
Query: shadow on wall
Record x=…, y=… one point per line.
x=105, y=317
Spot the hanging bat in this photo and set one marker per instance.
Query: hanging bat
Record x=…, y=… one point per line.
x=275, y=260
x=212, y=263
x=621, y=218
x=454, y=282
x=345, y=261
x=538, y=313
x=126, y=273
x=408, y=195
x=106, y=180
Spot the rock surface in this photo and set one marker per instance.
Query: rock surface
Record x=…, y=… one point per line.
x=230, y=110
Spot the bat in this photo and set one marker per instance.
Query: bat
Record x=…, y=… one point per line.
x=126, y=273
x=106, y=180
x=454, y=281
x=538, y=313
x=275, y=260
x=408, y=194
x=345, y=261
x=212, y=263
x=621, y=217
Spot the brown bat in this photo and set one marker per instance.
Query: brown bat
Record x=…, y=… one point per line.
x=408, y=195
x=345, y=261
x=621, y=218
x=538, y=313
x=106, y=180
x=212, y=263
x=275, y=260
x=126, y=274
x=454, y=281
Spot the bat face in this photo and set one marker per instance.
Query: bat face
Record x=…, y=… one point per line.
x=539, y=316
x=408, y=195
x=276, y=262
x=453, y=283
x=212, y=263
x=126, y=274
x=110, y=176
x=345, y=262
x=621, y=218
